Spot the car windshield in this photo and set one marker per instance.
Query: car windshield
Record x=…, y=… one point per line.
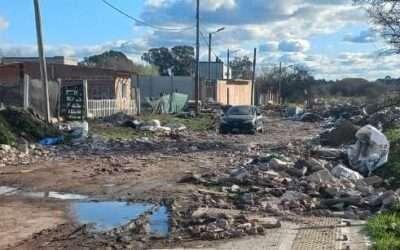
x=240, y=110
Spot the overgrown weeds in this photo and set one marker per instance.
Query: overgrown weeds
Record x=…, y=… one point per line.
x=385, y=230
x=391, y=170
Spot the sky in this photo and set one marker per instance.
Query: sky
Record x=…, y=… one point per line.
x=333, y=38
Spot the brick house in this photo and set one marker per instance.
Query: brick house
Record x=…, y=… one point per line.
x=102, y=85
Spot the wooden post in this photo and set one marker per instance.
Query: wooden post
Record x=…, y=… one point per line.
x=137, y=89
x=26, y=91
x=253, y=82
x=59, y=81
x=86, y=98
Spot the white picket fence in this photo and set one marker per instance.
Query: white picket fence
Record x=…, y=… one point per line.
x=108, y=107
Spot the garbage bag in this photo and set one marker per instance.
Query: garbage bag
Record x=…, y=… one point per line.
x=79, y=130
x=52, y=141
x=370, y=152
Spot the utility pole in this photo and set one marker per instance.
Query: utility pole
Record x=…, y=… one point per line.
x=280, y=82
x=253, y=83
x=42, y=58
x=197, y=75
x=209, y=56
x=229, y=66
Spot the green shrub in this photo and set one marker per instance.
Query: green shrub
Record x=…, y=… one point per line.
x=391, y=170
x=385, y=230
x=6, y=136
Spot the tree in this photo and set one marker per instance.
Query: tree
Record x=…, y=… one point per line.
x=183, y=60
x=117, y=61
x=296, y=81
x=386, y=15
x=179, y=60
x=241, y=68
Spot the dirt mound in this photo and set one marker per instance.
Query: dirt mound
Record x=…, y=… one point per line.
x=16, y=122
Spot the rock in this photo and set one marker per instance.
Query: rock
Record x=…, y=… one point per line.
x=323, y=177
x=374, y=181
x=235, y=189
x=342, y=172
x=374, y=200
x=193, y=178
x=248, y=199
x=23, y=146
x=279, y=165
x=329, y=153
x=343, y=134
x=294, y=196
x=267, y=222
x=311, y=117
x=297, y=172
x=352, y=200
x=176, y=126
x=5, y=147
x=240, y=175
x=389, y=198
x=314, y=165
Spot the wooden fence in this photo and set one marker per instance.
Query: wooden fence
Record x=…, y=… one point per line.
x=104, y=108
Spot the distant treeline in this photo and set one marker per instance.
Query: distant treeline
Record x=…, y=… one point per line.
x=298, y=85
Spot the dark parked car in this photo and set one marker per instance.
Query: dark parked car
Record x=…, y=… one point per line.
x=241, y=119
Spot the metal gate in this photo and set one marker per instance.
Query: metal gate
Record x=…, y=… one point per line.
x=72, y=102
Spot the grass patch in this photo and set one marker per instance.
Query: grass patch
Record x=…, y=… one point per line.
x=385, y=230
x=391, y=170
x=203, y=122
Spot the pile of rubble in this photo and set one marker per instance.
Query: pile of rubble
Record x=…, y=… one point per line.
x=316, y=181
x=23, y=154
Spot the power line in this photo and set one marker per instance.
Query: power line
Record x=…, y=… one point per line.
x=206, y=43
x=143, y=22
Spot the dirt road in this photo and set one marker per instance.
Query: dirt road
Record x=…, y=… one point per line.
x=144, y=170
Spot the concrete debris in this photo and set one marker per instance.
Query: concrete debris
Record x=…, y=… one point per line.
x=342, y=134
x=341, y=172
x=23, y=154
x=311, y=117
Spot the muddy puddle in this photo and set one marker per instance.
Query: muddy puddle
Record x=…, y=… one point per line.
x=103, y=215
x=107, y=215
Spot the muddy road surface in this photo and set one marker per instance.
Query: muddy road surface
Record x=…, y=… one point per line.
x=37, y=200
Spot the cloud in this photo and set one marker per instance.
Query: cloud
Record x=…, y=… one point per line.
x=155, y=3
x=3, y=23
x=294, y=45
x=365, y=36
x=132, y=48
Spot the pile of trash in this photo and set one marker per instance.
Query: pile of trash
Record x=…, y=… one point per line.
x=155, y=126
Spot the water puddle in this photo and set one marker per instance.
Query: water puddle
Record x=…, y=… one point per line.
x=112, y=214
x=11, y=191
x=104, y=215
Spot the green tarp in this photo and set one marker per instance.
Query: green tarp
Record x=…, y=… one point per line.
x=174, y=103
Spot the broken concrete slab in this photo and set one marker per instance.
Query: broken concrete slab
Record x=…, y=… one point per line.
x=342, y=172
